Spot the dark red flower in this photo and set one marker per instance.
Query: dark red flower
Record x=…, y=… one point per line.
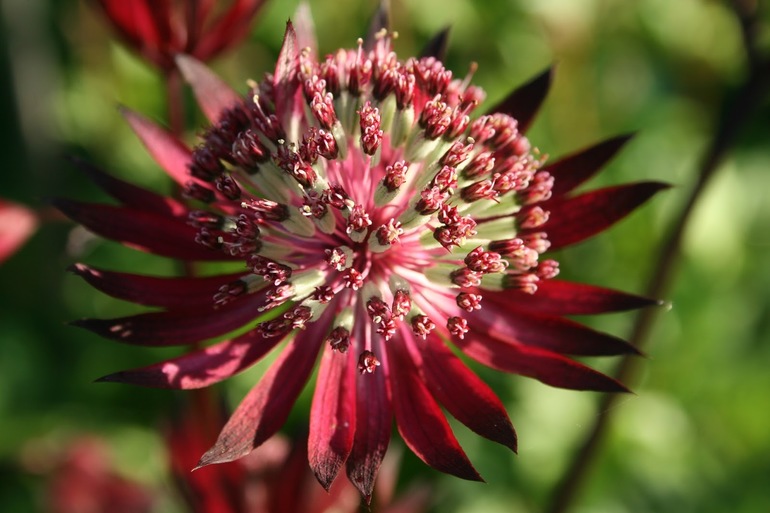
x=378, y=223
x=161, y=29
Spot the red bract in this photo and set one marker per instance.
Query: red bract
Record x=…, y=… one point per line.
x=379, y=223
x=161, y=29
x=17, y=223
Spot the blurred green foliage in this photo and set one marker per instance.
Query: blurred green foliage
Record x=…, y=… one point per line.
x=695, y=435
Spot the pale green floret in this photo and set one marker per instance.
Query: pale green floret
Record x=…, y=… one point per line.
x=503, y=228
x=338, y=132
x=493, y=281
x=270, y=181
x=304, y=283
x=316, y=308
x=345, y=319
x=396, y=283
x=327, y=223
x=418, y=147
x=402, y=124
x=387, y=112
x=505, y=205
x=298, y=224
x=441, y=274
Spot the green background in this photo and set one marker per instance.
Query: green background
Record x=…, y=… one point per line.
x=696, y=434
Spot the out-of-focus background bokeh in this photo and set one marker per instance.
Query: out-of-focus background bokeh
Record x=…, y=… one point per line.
x=696, y=434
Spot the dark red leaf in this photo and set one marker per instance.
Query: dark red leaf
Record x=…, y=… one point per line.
x=141, y=230
x=575, y=219
x=549, y=367
x=266, y=407
x=174, y=293
x=333, y=415
x=465, y=395
x=437, y=46
x=420, y=421
x=200, y=368
x=524, y=102
x=228, y=29
x=574, y=169
x=177, y=327
x=557, y=297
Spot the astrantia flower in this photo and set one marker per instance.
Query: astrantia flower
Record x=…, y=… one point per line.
x=380, y=222
x=161, y=29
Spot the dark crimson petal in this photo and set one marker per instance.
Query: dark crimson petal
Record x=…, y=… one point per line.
x=550, y=368
x=228, y=30
x=200, y=368
x=333, y=415
x=575, y=219
x=574, y=169
x=131, y=195
x=168, y=151
x=420, y=421
x=178, y=327
x=374, y=419
x=213, y=95
x=557, y=297
x=266, y=407
x=465, y=395
x=174, y=293
x=547, y=332
x=141, y=230
x=524, y=102
x=285, y=78
x=437, y=46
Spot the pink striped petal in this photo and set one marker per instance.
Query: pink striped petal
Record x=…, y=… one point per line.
x=547, y=332
x=212, y=94
x=305, y=28
x=17, y=223
x=524, y=102
x=333, y=415
x=200, y=368
x=168, y=151
x=420, y=421
x=575, y=219
x=146, y=231
x=557, y=297
x=174, y=293
x=131, y=195
x=550, y=368
x=465, y=395
x=266, y=407
x=574, y=169
x=177, y=327
x=374, y=419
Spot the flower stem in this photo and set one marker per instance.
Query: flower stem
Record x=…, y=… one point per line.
x=737, y=110
x=175, y=102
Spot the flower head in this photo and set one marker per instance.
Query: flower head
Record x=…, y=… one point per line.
x=379, y=220
x=160, y=29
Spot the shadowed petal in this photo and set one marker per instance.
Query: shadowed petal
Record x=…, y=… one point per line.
x=556, y=297
x=575, y=219
x=437, y=46
x=168, y=151
x=524, y=102
x=380, y=21
x=17, y=223
x=178, y=327
x=547, y=332
x=213, y=95
x=200, y=368
x=135, y=22
x=266, y=407
x=465, y=395
x=420, y=421
x=374, y=418
x=176, y=292
x=574, y=169
x=129, y=194
x=168, y=237
x=550, y=368
x=332, y=416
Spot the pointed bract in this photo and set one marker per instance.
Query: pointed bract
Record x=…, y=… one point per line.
x=574, y=169
x=523, y=103
x=213, y=95
x=437, y=46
